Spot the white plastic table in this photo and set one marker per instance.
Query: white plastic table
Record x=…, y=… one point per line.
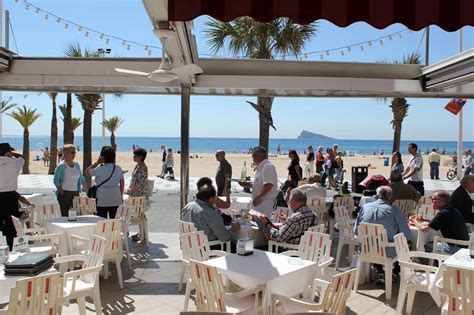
x=460, y=259
x=83, y=227
x=250, y=230
x=420, y=238
x=277, y=272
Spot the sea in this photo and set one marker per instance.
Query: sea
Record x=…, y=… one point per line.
x=242, y=145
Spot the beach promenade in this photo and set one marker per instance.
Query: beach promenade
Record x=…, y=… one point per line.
x=152, y=286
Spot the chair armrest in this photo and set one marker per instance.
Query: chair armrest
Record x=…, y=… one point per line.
x=36, y=230
x=217, y=253
x=243, y=293
x=80, y=272
x=69, y=258
x=78, y=238
x=292, y=301
x=449, y=240
x=290, y=253
x=439, y=257
x=417, y=266
x=390, y=244
x=54, y=238
x=326, y=263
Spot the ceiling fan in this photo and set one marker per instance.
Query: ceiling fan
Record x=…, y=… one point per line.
x=164, y=73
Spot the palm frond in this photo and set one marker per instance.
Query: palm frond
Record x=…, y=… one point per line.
x=63, y=110
x=74, y=49
x=75, y=123
x=6, y=105
x=112, y=123
x=25, y=116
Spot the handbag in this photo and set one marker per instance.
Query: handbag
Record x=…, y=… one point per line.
x=92, y=192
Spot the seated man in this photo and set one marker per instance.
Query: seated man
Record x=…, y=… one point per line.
x=220, y=204
x=201, y=212
x=448, y=219
x=314, y=189
x=461, y=198
x=401, y=190
x=295, y=225
x=382, y=212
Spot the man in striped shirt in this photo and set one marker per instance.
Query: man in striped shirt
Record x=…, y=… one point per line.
x=295, y=225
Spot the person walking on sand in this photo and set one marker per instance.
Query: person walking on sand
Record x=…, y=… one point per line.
x=309, y=165
x=163, y=161
x=223, y=174
x=169, y=163
x=46, y=157
x=319, y=160
x=434, y=160
x=279, y=149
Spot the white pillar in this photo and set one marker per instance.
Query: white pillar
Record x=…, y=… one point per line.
x=184, y=176
x=103, y=119
x=459, y=150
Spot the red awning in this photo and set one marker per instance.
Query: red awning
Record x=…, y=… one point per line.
x=450, y=15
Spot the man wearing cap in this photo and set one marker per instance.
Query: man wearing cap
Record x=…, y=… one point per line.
x=10, y=167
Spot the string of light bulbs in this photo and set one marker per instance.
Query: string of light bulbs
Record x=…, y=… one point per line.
x=23, y=96
x=87, y=31
x=342, y=50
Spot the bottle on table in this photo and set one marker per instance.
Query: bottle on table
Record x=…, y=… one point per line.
x=243, y=173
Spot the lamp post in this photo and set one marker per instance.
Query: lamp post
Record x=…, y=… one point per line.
x=102, y=52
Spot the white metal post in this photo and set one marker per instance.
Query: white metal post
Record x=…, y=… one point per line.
x=103, y=119
x=459, y=151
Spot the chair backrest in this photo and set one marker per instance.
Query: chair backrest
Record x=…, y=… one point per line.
x=85, y=205
x=277, y=211
x=315, y=247
x=48, y=211
x=343, y=217
x=124, y=214
x=94, y=252
x=338, y=291
x=209, y=286
x=195, y=246
x=403, y=252
x=139, y=207
x=186, y=227
x=347, y=201
x=18, y=226
x=425, y=200
x=373, y=240
x=427, y=211
x=311, y=202
x=110, y=230
x=407, y=206
x=318, y=206
x=458, y=286
x=37, y=295
x=320, y=228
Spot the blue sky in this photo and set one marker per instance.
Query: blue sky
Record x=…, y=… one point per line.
x=344, y=118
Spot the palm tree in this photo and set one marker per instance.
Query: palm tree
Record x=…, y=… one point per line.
x=6, y=105
x=68, y=132
x=26, y=117
x=112, y=125
x=53, y=148
x=399, y=105
x=75, y=123
x=260, y=41
x=89, y=102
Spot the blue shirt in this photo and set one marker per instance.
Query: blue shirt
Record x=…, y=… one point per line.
x=382, y=212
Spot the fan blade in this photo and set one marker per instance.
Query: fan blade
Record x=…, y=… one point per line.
x=131, y=72
x=190, y=69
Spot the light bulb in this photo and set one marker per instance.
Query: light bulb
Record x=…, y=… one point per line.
x=80, y=29
x=389, y=37
x=149, y=52
x=87, y=34
x=327, y=52
x=66, y=25
x=124, y=43
x=27, y=7
x=342, y=52
x=107, y=41
x=101, y=35
x=58, y=20
x=46, y=17
x=37, y=11
x=322, y=57
x=305, y=56
x=400, y=35
x=381, y=42
x=370, y=44
x=362, y=48
x=128, y=47
x=348, y=48
x=146, y=48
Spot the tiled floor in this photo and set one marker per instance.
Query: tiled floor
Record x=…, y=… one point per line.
x=152, y=287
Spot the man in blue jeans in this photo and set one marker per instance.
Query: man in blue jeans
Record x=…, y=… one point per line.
x=448, y=220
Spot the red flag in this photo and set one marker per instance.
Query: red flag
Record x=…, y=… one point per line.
x=455, y=105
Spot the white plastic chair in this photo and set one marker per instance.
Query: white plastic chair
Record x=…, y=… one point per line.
x=347, y=201
x=458, y=287
x=425, y=200
x=407, y=206
x=413, y=276
x=427, y=212
x=29, y=220
x=333, y=296
x=373, y=244
x=3, y=239
x=280, y=210
x=48, y=211
x=111, y=231
x=443, y=241
x=212, y=297
x=78, y=284
x=320, y=228
x=138, y=217
x=36, y=295
x=124, y=214
x=85, y=205
x=315, y=247
x=43, y=242
x=189, y=227
x=345, y=225
x=195, y=246
x=319, y=209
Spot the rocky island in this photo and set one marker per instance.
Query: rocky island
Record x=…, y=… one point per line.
x=313, y=136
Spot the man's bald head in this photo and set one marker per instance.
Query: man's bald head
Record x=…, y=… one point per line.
x=316, y=178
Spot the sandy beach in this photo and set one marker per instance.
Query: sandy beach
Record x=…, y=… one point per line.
x=205, y=164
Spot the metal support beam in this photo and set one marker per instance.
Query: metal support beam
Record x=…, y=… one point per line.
x=185, y=111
